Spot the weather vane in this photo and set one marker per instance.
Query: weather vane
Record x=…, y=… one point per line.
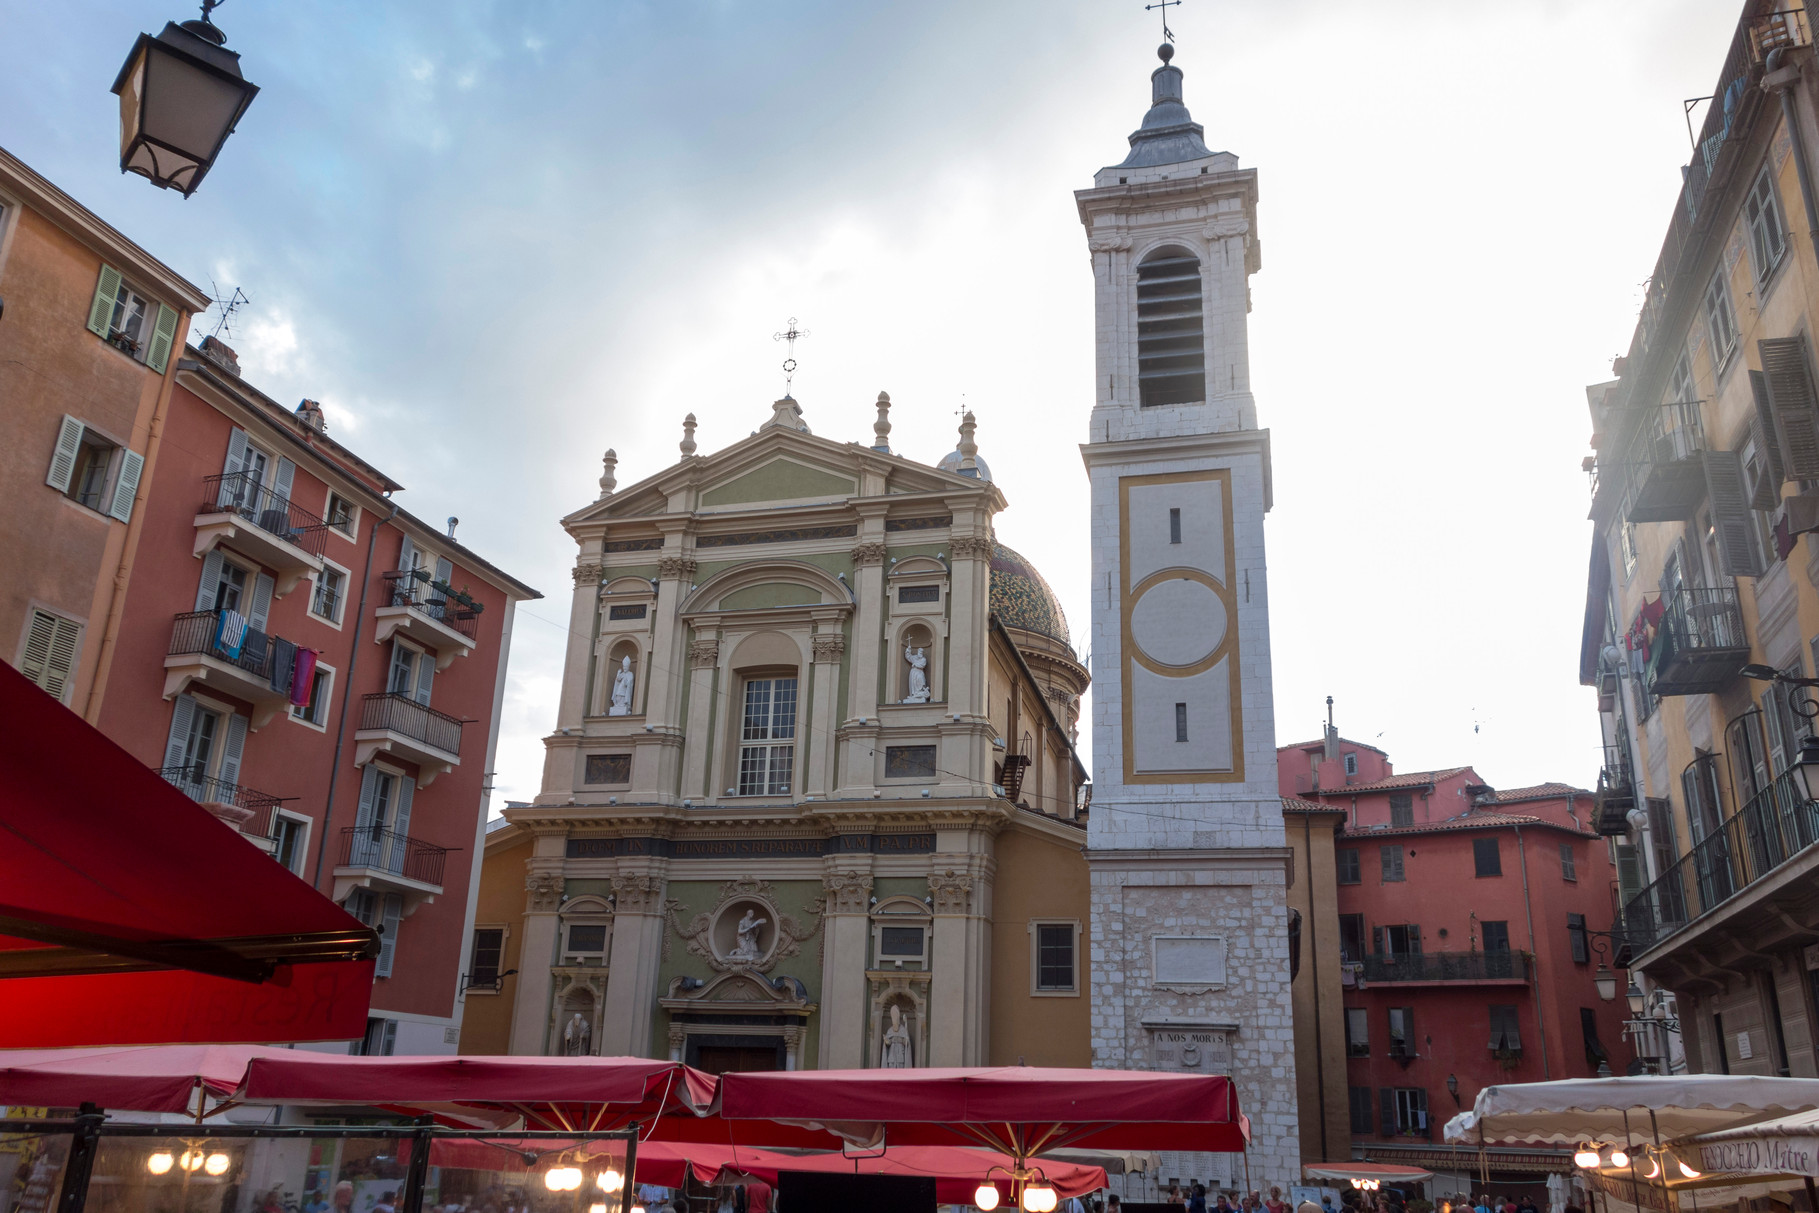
x=228, y=305
x=1168, y=35
x=790, y=334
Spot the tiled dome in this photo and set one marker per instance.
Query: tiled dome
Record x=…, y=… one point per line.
x=1022, y=599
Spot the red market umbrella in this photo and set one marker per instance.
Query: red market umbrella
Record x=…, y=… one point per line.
x=158, y=1078
x=130, y=915
x=582, y=1094
x=1020, y=1110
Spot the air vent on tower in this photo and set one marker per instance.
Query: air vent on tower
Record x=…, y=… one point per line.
x=1171, y=343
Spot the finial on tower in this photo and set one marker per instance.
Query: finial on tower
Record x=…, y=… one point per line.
x=688, y=436
x=969, y=450
x=608, y=482
x=881, y=428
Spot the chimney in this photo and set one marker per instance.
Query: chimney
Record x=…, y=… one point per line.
x=453, y=522
x=221, y=354
x=309, y=412
x=1332, y=734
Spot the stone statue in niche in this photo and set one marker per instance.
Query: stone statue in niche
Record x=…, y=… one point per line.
x=748, y=949
x=577, y=1037
x=918, y=674
x=622, y=689
x=896, y=1054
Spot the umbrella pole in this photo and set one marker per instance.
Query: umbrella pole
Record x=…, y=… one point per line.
x=1812, y=1197
x=418, y=1175
x=631, y=1171
x=81, y=1164
x=1628, y=1145
x=1247, y=1168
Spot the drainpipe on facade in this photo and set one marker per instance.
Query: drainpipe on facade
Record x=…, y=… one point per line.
x=1784, y=89
x=1535, y=984
x=347, y=692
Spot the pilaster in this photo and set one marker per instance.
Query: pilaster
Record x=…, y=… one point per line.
x=631, y=983
x=846, y=919
x=703, y=658
x=537, y=952
x=868, y=623
x=583, y=622
x=826, y=649
x=968, y=640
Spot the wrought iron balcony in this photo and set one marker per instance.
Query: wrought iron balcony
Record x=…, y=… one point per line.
x=1616, y=794
x=249, y=498
x=196, y=633
x=1701, y=644
x=391, y=853
x=401, y=726
x=417, y=593
x=432, y=613
x=258, y=810
x=1666, y=469
x=1777, y=824
x=1445, y=966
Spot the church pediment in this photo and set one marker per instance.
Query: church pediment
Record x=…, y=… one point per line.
x=780, y=479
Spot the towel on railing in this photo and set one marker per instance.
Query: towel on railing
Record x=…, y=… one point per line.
x=304, y=676
x=230, y=634
x=253, y=653
x=284, y=660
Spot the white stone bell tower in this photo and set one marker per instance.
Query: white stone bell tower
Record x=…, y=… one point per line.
x=1189, y=864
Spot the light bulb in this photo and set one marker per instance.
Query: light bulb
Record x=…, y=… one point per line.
x=191, y=1159
x=1619, y=1158
x=610, y=1180
x=1654, y=1168
x=1038, y=1198
x=160, y=1162
x=216, y=1164
x=986, y=1197
x=1689, y=1172
x=596, y=1209
x=1587, y=1158
x=637, y=1209
x=562, y=1179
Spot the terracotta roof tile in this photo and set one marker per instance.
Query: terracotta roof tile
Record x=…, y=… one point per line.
x=1414, y=779
x=1321, y=741
x=1468, y=821
x=1541, y=791
x=1296, y=804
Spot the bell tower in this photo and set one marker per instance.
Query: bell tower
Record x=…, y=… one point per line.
x=1188, y=860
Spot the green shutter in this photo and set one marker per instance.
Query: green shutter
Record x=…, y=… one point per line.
x=63, y=459
x=164, y=335
x=126, y=487
x=1731, y=522
x=101, y=311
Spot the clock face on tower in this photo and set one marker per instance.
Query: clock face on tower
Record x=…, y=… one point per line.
x=1183, y=720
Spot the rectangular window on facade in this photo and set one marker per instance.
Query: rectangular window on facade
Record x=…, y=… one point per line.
x=1505, y=1038
x=1720, y=320
x=1347, y=860
x=1569, y=868
x=1357, y=1032
x=288, y=835
x=380, y=1039
x=1402, y=808
x=94, y=471
x=1181, y=722
x=1392, y=863
x=48, y=656
x=1487, y=859
x=341, y=514
x=1581, y=942
x=1680, y=380
x=1627, y=545
x=1402, y=1032
x=1362, y=1098
x=1495, y=934
x=314, y=710
x=331, y=587
x=1402, y=939
x=1055, y=956
x=767, y=748
x=1762, y=216
x=1351, y=937
x=1351, y=764
x=484, y=961
x=918, y=593
x=909, y=762
x=1174, y=526
x=1410, y=1106
x=607, y=768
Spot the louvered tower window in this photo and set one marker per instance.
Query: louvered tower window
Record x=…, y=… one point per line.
x=1171, y=340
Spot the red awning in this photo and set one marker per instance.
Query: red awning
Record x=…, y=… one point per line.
x=1021, y=1110
x=130, y=915
x=586, y=1094
x=157, y=1078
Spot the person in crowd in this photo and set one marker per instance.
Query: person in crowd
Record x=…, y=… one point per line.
x=1113, y=1203
x=1196, y=1199
x=1509, y=1206
x=1483, y=1205
x=1275, y=1204
x=1174, y=1195
x=1526, y=1205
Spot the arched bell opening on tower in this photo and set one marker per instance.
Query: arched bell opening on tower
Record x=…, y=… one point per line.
x=1171, y=337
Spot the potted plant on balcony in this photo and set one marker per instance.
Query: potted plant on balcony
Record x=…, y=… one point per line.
x=1507, y=1057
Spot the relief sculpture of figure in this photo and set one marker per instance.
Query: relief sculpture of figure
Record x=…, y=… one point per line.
x=622, y=689
x=918, y=677
x=897, y=1042
x=747, y=930
x=577, y=1037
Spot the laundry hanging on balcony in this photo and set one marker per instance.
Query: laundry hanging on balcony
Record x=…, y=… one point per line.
x=1640, y=638
x=230, y=634
x=284, y=664
x=303, y=676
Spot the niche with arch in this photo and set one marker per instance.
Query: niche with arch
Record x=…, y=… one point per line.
x=917, y=588
x=626, y=604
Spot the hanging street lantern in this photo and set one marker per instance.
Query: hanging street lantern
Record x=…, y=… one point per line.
x=181, y=94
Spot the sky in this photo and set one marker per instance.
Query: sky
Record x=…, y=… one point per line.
x=495, y=239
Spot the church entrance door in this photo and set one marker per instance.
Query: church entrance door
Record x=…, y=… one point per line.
x=737, y=1059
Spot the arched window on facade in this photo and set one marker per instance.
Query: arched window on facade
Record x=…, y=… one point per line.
x=1171, y=337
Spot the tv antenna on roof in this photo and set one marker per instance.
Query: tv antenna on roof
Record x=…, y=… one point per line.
x=1168, y=35
x=228, y=305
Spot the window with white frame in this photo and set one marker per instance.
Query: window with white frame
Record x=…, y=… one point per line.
x=1351, y=764
x=331, y=594
x=314, y=710
x=1762, y=219
x=48, y=653
x=126, y=318
x=290, y=834
x=485, y=960
x=93, y=470
x=203, y=750
x=380, y=1039
x=1569, y=868
x=1055, y=957
x=767, y=739
x=412, y=673
x=1627, y=542
x=342, y=515
x=1720, y=322
x=383, y=912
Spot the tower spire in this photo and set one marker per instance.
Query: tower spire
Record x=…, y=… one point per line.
x=1169, y=134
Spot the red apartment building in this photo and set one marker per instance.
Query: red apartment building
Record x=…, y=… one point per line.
x=1466, y=920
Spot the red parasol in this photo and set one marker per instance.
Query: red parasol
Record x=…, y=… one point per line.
x=156, y=1078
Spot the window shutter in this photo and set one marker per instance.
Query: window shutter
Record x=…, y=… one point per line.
x=407, y=556
x=1737, y=550
x=1414, y=940
x=1766, y=439
x=235, y=747
x=360, y=903
x=1362, y=1111
x=401, y=821
x=50, y=652
x=1389, y=1112
x=262, y=602
x=236, y=452
x=369, y=783
x=211, y=581
x=164, y=335
x=1787, y=374
x=182, y=714
x=1421, y=1111
x=38, y=646
x=101, y=311
x=126, y=486
x=285, y=477
x=1629, y=871
x=388, y=939
x=1377, y=941
x=398, y=677
x=63, y=459
x=426, y=677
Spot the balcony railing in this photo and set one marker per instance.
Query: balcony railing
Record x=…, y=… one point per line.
x=1446, y=966
x=1701, y=644
x=390, y=851
x=245, y=495
x=196, y=632
x=203, y=788
x=1666, y=467
x=1777, y=824
x=1616, y=794
x=403, y=715
x=407, y=590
